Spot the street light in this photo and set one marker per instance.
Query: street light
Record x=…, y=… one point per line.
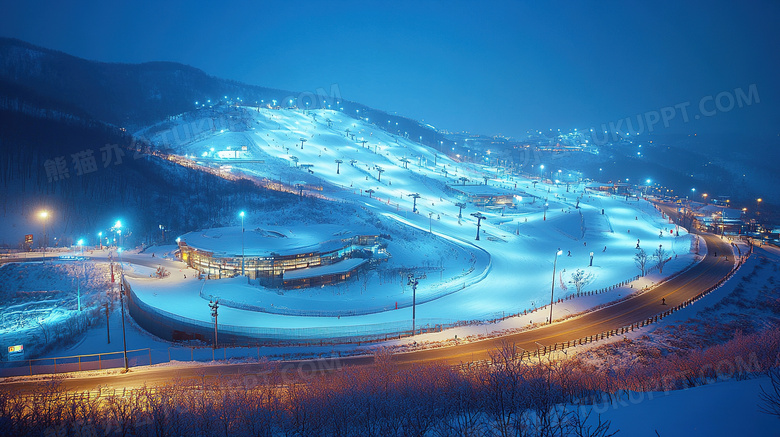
x=122, y=304
x=100, y=239
x=44, y=214
x=413, y=281
x=118, y=229
x=214, y=305
x=241, y=214
x=552, y=290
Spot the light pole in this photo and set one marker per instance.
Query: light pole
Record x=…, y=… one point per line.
x=44, y=215
x=541, y=172
x=214, y=305
x=241, y=214
x=118, y=229
x=78, y=278
x=100, y=239
x=430, y=222
x=413, y=281
x=122, y=305
x=552, y=289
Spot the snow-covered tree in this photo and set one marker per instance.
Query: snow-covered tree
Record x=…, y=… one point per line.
x=580, y=279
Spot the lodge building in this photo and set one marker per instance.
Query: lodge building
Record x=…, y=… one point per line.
x=312, y=256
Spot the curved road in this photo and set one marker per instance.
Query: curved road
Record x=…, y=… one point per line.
x=641, y=307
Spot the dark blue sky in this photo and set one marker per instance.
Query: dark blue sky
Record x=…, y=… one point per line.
x=489, y=67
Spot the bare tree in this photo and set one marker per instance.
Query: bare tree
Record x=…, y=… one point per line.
x=641, y=259
x=770, y=399
x=44, y=330
x=661, y=257
x=581, y=428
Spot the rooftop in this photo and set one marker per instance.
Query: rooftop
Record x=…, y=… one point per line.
x=272, y=240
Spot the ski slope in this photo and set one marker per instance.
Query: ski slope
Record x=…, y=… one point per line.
x=508, y=270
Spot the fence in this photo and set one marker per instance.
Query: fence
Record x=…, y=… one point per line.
x=76, y=363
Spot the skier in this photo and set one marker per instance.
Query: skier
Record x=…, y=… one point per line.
x=663, y=301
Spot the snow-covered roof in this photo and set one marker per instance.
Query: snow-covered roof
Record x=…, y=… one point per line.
x=273, y=240
x=332, y=269
x=481, y=190
x=728, y=213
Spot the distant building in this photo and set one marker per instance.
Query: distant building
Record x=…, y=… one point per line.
x=719, y=219
x=310, y=256
x=618, y=188
x=484, y=196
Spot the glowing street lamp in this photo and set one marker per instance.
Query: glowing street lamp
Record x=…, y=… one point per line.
x=118, y=230
x=44, y=215
x=241, y=214
x=552, y=290
x=100, y=239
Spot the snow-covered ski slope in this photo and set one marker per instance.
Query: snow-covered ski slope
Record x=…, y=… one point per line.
x=508, y=270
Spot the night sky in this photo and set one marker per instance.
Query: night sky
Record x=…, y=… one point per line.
x=488, y=67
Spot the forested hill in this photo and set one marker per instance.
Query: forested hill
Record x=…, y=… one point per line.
x=134, y=96
x=88, y=176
